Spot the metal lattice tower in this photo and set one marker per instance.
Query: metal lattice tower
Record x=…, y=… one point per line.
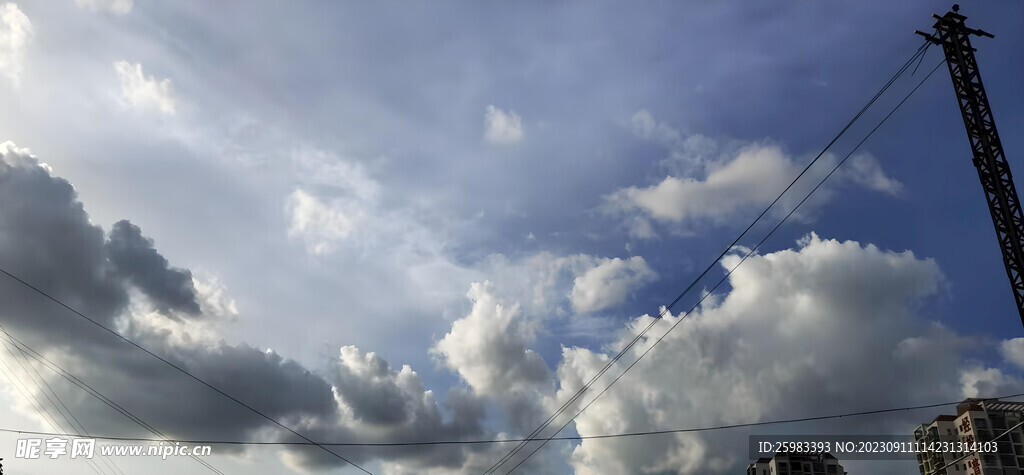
x=993, y=169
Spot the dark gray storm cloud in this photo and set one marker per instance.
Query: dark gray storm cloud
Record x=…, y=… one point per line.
x=46, y=238
x=134, y=257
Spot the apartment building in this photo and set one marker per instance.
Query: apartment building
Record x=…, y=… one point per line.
x=976, y=420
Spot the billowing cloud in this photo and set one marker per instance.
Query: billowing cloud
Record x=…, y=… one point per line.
x=791, y=338
x=144, y=92
x=978, y=381
x=381, y=403
x=119, y=7
x=134, y=257
x=609, y=283
x=501, y=127
x=15, y=33
x=488, y=348
x=47, y=238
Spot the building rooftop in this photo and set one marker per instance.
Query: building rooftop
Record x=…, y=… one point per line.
x=975, y=404
x=944, y=417
x=979, y=404
x=1004, y=405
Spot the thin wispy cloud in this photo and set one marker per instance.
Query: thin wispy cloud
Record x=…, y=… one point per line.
x=119, y=7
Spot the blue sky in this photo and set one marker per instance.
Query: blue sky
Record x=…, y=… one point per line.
x=492, y=195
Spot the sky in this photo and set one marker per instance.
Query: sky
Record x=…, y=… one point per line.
x=413, y=221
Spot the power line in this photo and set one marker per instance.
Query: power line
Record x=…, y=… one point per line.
x=579, y=393
x=41, y=408
x=33, y=399
x=40, y=383
x=503, y=441
x=181, y=370
x=80, y=426
x=94, y=393
x=5, y=337
x=748, y=254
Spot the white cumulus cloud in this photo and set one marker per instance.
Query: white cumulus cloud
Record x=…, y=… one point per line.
x=144, y=92
x=986, y=382
x=488, y=347
x=756, y=175
x=609, y=283
x=15, y=33
x=716, y=180
x=791, y=338
x=502, y=127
